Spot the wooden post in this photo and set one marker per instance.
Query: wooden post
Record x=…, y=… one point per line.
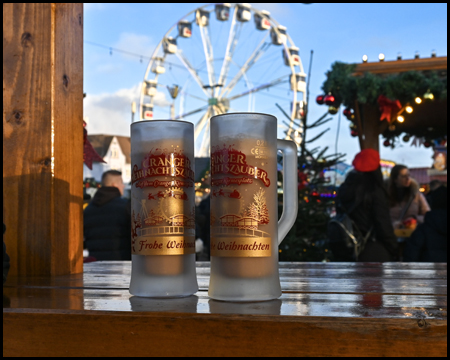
x=43, y=137
x=359, y=127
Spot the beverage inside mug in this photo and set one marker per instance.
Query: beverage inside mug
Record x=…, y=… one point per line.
x=245, y=233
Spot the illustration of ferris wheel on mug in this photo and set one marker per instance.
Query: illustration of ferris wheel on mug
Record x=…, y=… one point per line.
x=217, y=60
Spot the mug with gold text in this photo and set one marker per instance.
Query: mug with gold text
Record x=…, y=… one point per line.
x=162, y=209
x=245, y=231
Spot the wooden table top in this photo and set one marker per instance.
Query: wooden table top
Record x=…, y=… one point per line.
x=407, y=297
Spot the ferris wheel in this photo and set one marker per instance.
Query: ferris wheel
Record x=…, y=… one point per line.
x=216, y=59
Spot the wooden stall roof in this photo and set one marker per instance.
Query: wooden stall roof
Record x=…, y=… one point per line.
x=429, y=119
x=397, y=66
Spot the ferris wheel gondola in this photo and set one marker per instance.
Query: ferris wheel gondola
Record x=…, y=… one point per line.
x=208, y=72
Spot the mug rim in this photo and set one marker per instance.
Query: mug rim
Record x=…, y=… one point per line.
x=160, y=120
x=244, y=113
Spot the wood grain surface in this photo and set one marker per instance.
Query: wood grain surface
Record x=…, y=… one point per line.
x=326, y=309
x=42, y=137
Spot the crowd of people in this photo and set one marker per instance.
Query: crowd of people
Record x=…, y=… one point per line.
x=378, y=208
x=381, y=207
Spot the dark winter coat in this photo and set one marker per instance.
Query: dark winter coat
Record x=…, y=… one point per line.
x=428, y=243
x=107, y=225
x=372, y=212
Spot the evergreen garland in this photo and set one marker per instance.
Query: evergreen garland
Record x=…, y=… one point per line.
x=404, y=86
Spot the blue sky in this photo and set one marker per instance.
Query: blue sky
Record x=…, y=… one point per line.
x=334, y=32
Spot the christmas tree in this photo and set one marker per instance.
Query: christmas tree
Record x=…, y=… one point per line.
x=307, y=239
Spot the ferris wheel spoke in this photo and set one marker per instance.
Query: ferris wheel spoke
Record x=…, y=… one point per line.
x=193, y=96
x=201, y=124
x=209, y=55
x=233, y=38
x=205, y=142
x=261, y=87
x=257, y=53
x=220, y=109
x=191, y=70
x=192, y=112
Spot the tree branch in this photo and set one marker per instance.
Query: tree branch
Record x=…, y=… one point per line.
x=318, y=136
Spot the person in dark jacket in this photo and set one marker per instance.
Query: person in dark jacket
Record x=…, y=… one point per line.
x=364, y=185
x=107, y=221
x=203, y=227
x=428, y=243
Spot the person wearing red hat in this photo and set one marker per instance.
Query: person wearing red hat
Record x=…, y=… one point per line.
x=363, y=192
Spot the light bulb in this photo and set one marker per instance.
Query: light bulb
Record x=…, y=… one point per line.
x=409, y=109
x=364, y=58
x=428, y=95
x=400, y=119
x=381, y=57
x=418, y=100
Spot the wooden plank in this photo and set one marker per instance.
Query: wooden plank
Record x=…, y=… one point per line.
x=104, y=333
x=42, y=137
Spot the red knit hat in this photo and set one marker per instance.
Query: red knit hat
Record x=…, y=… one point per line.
x=366, y=160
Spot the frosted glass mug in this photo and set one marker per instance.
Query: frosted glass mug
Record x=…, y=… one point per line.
x=162, y=209
x=245, y=231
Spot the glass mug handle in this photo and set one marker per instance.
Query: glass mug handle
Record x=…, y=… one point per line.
x=290, y=187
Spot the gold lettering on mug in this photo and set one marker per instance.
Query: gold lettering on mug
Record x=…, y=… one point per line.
x=228, y=160
x=164, y=223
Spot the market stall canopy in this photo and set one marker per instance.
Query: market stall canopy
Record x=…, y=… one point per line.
x=391, y=98
x=429, y=118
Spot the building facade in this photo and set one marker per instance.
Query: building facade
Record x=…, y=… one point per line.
x=116, y=152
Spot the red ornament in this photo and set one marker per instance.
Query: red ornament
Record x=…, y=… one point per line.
x=329, y=99
x=319, y=99
x=347, y=112
x=353, y=133
x=386, y=143
x=302, y=180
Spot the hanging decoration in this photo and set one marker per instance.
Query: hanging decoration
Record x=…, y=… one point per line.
x=333, y=110
x=387, y=107
x=347, y=112
x=385, y=94
x=89, y=153
x=319, y=99
x=417, y=141
x=329, y=99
